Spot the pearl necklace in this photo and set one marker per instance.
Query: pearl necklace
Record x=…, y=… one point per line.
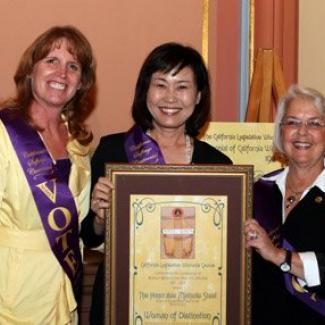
x=188, y=147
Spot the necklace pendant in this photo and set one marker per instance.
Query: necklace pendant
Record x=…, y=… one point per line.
x=290, y=200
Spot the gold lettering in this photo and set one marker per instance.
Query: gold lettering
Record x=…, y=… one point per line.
x=45, y=189
x=33, y=153
x=71, y=261
x=64, y=240
x=52, y=222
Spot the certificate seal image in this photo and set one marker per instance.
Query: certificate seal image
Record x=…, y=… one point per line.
x=177, y=232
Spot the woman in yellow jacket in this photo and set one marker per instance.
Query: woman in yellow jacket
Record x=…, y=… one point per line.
x=44, y=179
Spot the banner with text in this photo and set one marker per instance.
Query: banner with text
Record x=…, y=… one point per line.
x=244, y=143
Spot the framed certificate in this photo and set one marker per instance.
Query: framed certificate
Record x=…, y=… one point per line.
x=175, y=251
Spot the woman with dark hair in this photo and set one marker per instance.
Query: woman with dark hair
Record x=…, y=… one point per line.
x=171, y=104
x=171, y=58
x=45, y=179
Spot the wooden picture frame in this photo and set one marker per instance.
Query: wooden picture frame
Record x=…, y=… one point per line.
x=175, y=249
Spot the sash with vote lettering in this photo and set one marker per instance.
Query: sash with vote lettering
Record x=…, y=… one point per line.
x=141, y=148
x=53, y=198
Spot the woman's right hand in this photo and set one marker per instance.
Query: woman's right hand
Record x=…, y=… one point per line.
x=100, y=202
x=257, y=238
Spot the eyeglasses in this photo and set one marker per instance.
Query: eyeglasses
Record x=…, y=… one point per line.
x=295, y=124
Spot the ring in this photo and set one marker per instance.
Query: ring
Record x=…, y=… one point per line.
x=252, y=235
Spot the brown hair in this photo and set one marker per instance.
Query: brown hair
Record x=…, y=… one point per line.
x=81, y=105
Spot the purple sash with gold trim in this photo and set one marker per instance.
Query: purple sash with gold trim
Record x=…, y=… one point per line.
x=268, y=211
x=293, y=286
x=141, y=148
x=54, y=201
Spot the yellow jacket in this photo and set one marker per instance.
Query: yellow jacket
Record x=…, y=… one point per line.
x=34, y=289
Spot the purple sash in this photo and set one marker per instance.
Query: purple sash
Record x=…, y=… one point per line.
x=293, y=286
x=140, y=148
x=268, y=211
x=52, y=196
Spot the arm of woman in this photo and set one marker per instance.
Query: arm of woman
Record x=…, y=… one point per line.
x=91, y=236
x=308, y=267
x=100, y=203
x=3, y=163
x=110, y=149
x=265, y=247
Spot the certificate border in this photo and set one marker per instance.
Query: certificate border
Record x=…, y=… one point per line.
x=234, y=181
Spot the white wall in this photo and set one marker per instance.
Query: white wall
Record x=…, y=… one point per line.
x=311, y=55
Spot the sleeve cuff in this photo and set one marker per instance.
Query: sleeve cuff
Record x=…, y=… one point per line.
x=311, y=270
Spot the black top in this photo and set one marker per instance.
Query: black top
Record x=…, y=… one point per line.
x=304, y=230
x=63, y=169
x=111, y=149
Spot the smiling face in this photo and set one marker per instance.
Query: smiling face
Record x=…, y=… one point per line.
x=304, y=145
x=171, y=98
x=56, y=78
